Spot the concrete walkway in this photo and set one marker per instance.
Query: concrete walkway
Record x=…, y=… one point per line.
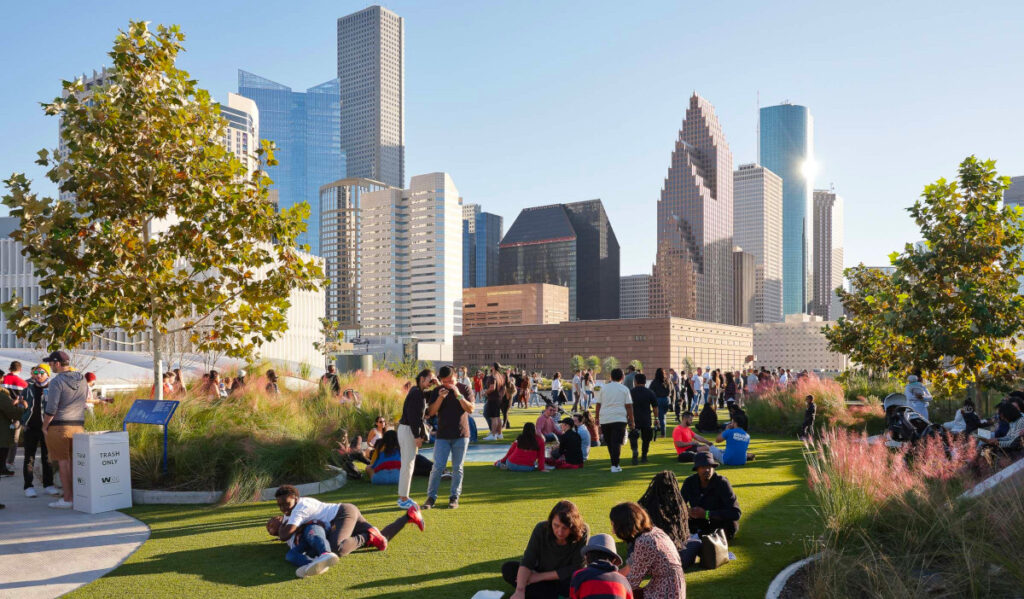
x=46, y=552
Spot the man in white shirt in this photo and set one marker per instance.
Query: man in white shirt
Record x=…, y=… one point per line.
x=698, y=390
x=577, y=390
x=784, y=379
x=613, y=413
x=751, y=382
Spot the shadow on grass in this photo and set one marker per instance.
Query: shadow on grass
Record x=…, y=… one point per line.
x=263, y=564
x=492, y=567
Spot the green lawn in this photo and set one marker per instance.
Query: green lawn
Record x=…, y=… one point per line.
x=225, y=552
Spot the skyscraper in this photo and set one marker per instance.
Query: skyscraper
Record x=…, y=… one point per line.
x=469, y=212
x=411, y=259
x=828, y=253
x=340, y=209
x=481, y=234
x=241, y=137
x=744, y=285
x=634, y=296
x=757, y=228
x=1014, y=195
x=693, y=274
x=371, y=74
x=786, y=147
x=305, y=127
x=572, y=245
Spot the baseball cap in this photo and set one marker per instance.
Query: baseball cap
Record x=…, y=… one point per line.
x=58, y=356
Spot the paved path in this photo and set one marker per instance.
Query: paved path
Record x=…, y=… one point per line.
x=46, y=552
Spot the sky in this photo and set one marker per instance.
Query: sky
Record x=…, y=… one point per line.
x=529, y=102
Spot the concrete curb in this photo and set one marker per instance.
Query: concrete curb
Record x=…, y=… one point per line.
x=780, y=580
x=997, y=478
x=156, y=497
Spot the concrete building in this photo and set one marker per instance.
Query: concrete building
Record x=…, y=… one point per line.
x=693, y=273
x=635, y=296
x=828, y=253
x=743, y=284
x=572, y=245
x=1014, y=195
x=503, y=305
x=657, y=342
x=797, y=344
x=340, y=209
x=242, y=135
x=786, y=147
x=757, y=228
x=481, y=235
x=305, y=127
x=371, y=75
x=411, y=261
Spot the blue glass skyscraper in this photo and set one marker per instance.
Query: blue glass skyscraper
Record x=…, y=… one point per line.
x=786, y=147
x=306, y=127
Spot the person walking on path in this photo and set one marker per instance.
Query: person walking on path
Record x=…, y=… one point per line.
x=660, y=388
x=32, y=432
x=494, y=390
x=807, y=430
x=64, y=415
x=697, y=381
x=452, y=403
x=644, y=404
x=411, y=432
x=613, y=413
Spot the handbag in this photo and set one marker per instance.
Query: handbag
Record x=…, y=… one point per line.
x=714, y=550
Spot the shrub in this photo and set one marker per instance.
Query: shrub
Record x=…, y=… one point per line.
x=250, y=440
x=780, y=410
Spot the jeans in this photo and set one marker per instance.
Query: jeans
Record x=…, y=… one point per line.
x=614, y=436
x=718, y=454
x=34, y=439
x=691, y=549
x=568, y=397
x=310, y=544
x=663, y=407
x=407, y=446
x=698, y=398
x=350, y=531
x=442, y=449
x=519, y=467
x=646, y=433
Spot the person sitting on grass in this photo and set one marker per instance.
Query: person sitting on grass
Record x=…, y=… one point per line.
x=652, y=554
x=569, y=453
x=385, y=460
x=685, y=440
x=713, y=505
x=737, y=441
x=707, y=421
x=600, y=579
x=526, y=453
x=552, y=555
x=307, y=548
x=966, y=420
x=546, y=425
x=1014, y=437
x=347, y=529
x=584, y=433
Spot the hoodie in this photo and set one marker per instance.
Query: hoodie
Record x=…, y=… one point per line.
x=66, y=399
x=36, y=395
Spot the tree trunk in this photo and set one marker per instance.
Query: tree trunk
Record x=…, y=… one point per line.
x=158, y=364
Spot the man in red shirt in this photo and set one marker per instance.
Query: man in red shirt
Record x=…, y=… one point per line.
x=685, y=440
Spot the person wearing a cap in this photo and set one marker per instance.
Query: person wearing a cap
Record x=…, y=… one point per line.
x=552, y=555
x=33, y=437
x=64, y=415
x=600, y=578
x=713, y=504
x=917, y=394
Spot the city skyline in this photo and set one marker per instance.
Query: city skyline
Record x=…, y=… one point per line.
x=881, y=93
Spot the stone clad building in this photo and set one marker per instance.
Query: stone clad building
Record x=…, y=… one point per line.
x=501, y=305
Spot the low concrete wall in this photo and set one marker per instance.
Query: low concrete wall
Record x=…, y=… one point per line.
x=156, y=497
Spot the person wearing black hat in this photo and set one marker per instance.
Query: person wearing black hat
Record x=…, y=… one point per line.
x=63, y=416
x=600, y=578
x=712, y=504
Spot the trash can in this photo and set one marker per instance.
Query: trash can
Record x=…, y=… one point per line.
x=102, y=471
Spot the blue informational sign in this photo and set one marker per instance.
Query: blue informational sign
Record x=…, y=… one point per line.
x=152, y=411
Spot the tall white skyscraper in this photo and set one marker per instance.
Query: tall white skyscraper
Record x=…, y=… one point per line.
x=412, y=262
x=828, y=253
x=757, y=228
x=242, y=136
x=371, y=75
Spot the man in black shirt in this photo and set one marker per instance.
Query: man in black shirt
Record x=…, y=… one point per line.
x=330, y=380
x=452, y=402
x=712, y=502
x=644, y=404
x=569, y=454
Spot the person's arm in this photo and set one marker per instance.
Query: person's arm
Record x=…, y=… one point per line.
x=720, y=438
x=726, y=497
x=511, y=450
x=286, y=531
x=432, y=409
x=641, y=562
x=697, y=437
x=597, y=413
x=629, y=414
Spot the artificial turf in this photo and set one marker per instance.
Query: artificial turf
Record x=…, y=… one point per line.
x=225, y=551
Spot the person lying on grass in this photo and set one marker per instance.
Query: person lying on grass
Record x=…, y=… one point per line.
x=307, y=548
x=346, y=528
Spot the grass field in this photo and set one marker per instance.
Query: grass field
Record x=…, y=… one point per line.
x=225, y=551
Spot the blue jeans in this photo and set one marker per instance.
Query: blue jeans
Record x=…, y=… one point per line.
x=310, y=544
x=663, y=407
x=698, y=396
x=519, y=468
x=456, y=448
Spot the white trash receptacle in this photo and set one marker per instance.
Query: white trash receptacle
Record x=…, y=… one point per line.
x=102, y=471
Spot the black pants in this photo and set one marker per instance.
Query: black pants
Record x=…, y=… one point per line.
x=350, y=531
x=33, y=439
x=646, y=433
x=614, y=436
x=504, y=413
x=549, y=589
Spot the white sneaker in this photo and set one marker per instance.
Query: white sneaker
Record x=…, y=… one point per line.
x=300, y=572
x=490, y=438
x=616, y=469
x=31, y=492
x=320, y=565
x=51, y=491
x=500, y=437
x=60, y=504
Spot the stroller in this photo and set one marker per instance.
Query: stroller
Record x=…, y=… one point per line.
x=903, y=423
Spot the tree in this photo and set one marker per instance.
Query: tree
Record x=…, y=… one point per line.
x=331, y=341
x=637, y=364
x=160, y=229
x=577, y=363
x=594, y=364
x=951, y=307
x=609, y=364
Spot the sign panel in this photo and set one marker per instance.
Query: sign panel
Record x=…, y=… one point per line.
x=151, y=411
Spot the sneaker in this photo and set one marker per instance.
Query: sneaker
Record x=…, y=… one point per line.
x=60, y=504
x=376, y=539
x=416, y=517
x=300, y=572
x=406, y=503
x=616, y=469
x=51, y=490
x=503, y=465
x=320, y=565
x=31, y=492
x=490, y=438
x=429, y=503
x=6, y=472
x=453, y=503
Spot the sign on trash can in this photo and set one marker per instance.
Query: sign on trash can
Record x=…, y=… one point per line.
x=102, y=472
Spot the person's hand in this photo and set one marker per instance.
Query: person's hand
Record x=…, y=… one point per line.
x=442, y=392
x=697, y=512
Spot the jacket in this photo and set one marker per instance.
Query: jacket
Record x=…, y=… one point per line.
x=717, y=498
x=66, y=399
x=8, y=414
x=36, y=396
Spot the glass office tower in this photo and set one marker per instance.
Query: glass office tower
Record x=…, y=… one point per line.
x=787, y=149
x=487, y=236
x=306, y=129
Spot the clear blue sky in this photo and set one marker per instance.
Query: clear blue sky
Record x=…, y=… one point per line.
x=535, y=102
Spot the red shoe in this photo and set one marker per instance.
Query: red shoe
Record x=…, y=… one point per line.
x=416, y=517
x=376, y=539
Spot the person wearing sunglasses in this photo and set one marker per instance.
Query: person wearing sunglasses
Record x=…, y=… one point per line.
x=33, y=437
x=379, y=426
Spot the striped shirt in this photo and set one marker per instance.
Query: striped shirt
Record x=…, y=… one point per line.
x=1016, y=430
x=600, y=580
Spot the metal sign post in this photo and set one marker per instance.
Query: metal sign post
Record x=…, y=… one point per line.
x=152, y=411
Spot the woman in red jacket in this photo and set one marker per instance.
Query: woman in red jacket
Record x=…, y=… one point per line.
x=526, y=453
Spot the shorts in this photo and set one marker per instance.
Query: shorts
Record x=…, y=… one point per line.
x=59, y=439
x=492, y=409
